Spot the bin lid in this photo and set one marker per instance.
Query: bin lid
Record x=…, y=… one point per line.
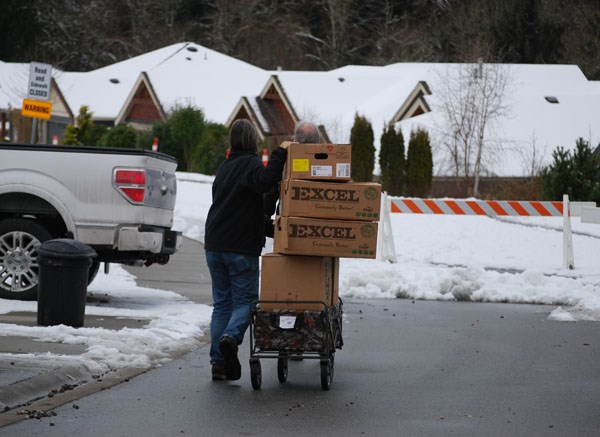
x=66, y=248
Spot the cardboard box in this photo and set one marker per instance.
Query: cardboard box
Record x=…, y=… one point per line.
x=330, y=200
x=318, y=162
x=293, y=278
x=319, y=237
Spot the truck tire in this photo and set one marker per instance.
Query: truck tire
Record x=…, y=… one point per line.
x=19, y=268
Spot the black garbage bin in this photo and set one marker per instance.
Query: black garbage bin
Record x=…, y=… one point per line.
x=63, y=279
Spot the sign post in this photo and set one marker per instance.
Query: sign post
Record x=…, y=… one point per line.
x=37, y=104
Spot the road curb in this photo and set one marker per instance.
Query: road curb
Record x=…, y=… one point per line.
x=31, y=397
x=27, y=391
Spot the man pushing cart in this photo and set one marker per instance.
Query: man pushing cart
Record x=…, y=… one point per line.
x=323, y=217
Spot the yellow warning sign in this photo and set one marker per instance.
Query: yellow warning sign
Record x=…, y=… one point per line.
x=36, y=109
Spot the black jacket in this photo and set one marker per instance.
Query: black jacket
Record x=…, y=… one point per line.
x=235, y=221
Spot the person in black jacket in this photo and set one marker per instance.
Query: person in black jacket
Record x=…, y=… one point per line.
x=305, y=132
x=233, y=241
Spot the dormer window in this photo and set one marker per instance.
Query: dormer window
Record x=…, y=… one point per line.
x=551, y=99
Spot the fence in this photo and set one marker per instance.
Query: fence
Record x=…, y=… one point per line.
x=491, y=208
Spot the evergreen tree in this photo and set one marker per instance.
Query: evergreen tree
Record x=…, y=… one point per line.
x=585, y=173
x=212, y=149
x=556, y=177
x=578, y=175
x=162, y=131
x=392, y=162
x=363, y=150
x=181, y=135
x=84, y=132
x=122, y=136
x=144, y=139
x=419, y=164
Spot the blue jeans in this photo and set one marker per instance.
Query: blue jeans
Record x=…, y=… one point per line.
x=235, y=292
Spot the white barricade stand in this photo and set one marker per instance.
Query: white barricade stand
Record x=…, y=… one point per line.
x=588, y=212
x=386, y=250
x=568, y=259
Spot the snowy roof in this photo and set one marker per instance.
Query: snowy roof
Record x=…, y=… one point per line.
x=106, y=89
x=13, y=84
x=333, y=98
x=13, y=88
x=533, y=123
x=183, y=73
x=188, y=73
x=206, y=79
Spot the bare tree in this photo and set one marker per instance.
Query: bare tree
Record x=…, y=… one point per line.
x=472, y=101
x=329, y=47
x=532, y=157
x=490, y=86
x=87, y=35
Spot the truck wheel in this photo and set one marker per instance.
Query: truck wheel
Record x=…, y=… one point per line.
x=19, y=268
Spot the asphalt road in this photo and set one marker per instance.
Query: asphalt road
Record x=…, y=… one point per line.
x=407, y=368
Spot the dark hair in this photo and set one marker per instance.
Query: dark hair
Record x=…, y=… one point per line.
x=243, y=136
x=307, y=132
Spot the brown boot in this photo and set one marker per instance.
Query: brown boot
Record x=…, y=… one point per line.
x=218, y=372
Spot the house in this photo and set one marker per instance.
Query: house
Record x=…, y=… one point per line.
x=189, y=74
x=13, y=89
x=544, y=106
x=272, y=113
x=120, y=92
x=142, y=90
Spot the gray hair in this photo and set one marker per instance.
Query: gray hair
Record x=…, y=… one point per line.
x=307, y=132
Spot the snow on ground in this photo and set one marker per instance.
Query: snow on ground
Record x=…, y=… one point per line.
x=174, y=325
x=468, y=258
x=514, y=259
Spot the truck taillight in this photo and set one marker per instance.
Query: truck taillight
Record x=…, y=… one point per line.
x=131, y=183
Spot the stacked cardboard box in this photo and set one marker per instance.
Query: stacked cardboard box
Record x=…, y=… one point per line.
x=323, y=216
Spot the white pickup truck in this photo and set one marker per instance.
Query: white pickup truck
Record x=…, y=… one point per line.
x=118, y=201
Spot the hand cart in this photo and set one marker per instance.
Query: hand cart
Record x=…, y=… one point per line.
x=282, y=334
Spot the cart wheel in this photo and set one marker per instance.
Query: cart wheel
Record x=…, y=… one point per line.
x=255, y=373
x=282, y=368
x=326, y=373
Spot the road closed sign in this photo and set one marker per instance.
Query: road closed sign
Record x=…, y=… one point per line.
x=37, y=109
x=40, y=76
x=37, y=103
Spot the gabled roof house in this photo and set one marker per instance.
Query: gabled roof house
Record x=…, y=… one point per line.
x=13, y=89
x=544, y=106
x=271, y=112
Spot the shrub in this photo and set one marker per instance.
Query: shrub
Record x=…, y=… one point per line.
x=577, y=175
x=84, y=131
x=212, y=149
x=122, y=136
x=363, y=150
x=419, y=164
x=392, y=162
